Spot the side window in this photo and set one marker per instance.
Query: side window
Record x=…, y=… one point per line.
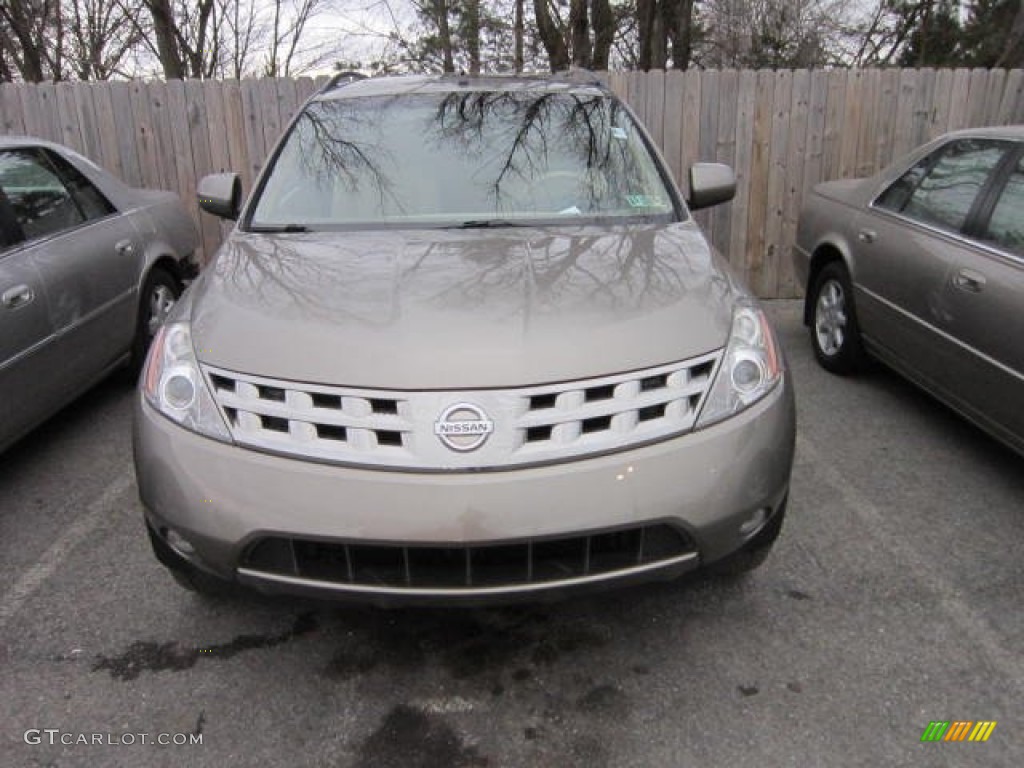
x=91, y=201
x=42, y=205
x=942, y=189
x=1006, y=226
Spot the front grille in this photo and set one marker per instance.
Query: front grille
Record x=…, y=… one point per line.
x=396, y=429
x=510, y=565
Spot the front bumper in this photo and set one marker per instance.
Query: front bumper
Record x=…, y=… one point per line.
x=227, y=502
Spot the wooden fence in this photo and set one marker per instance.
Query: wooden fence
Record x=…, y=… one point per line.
x=783, y=131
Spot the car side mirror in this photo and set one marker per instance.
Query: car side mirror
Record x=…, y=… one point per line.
x=220, y=194
x=711, y=184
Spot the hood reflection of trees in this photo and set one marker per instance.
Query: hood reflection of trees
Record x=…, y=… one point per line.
x=514, y=278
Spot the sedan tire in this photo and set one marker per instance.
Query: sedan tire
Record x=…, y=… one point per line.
x=835, y=334
x=159, y=295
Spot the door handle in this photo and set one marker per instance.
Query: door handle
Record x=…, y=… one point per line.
x=18, y=296
x=124, y=248
x=867, y=235
x=969, y=280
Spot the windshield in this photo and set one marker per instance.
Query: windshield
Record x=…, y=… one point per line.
x=461, y=159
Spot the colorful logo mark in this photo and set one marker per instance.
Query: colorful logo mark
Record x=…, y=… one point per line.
x=958, y=730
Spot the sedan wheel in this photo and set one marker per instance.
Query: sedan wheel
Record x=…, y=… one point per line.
x=159, y=296
x=161, y=299
x=835, y=335
x=830, y=317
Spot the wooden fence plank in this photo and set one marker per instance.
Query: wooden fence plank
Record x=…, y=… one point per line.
x=794, y=168
x=199, y=129
x=833, y=138
x=994, y=95
x=745, y=106
x=904, y=140
x=1013, y=93
x=124, y=127
x=691, y=124
x=146, y=140
x=109, y=150
x=725, y=152
x=923, y=100
x=12, y=120
x=885, y=117
x=254, y=140
x=86, y=110
x=708, y=136
x=943, y=102
x=757, y=268
x=864, y=165
x=775, y=200
x=958, y=115
x=976, y=98
x=159, y=110
x=672, y=128
x=70, y=132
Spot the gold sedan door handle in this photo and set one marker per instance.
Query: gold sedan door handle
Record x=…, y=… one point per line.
x=18, y=296
x=969, y=280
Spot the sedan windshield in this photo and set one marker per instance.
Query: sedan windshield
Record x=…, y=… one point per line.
x=472, y=159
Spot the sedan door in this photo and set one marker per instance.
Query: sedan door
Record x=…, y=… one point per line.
x=84, y=251
x=985, y=312
x=26, y=380
x=911, y=240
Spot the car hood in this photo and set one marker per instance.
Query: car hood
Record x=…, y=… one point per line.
x=443, y=309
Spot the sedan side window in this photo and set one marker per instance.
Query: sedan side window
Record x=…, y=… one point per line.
x=1006, y=226
x=944, y=193
x=41, y=203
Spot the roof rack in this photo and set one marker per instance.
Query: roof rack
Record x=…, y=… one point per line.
x=342, y=79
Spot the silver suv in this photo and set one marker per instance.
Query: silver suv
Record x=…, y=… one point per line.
x=465, y=343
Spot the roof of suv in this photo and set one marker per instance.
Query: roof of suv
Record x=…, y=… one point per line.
x=575, y=82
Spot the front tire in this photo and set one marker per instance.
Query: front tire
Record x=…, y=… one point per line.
x=159, y=295
x=835, y=333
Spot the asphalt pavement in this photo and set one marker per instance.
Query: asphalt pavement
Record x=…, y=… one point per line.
x=892, y=600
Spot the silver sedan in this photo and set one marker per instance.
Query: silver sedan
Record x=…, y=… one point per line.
x=922, y=267
x=89, y=267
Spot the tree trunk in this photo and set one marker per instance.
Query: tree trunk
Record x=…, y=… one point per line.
x=473, y=35
x=551, y=37
x=444, y=34
x=579, y=30
x=603, y=21
x=680, y=32
x=166, y=39
x=646, y=10
x=1013, y=52
x=517, y=32
x=30, y=63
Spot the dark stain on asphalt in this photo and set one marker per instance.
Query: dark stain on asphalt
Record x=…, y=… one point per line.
x=749, y=690
x=200, y=722
x=641, y=669
x=467, y=645
x=604, y=700
x=796, y=594
x=411, y=738
x=144, y=656
x=795, y=687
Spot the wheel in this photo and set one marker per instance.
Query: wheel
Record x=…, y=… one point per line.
x=835, y=334
x=159, y=295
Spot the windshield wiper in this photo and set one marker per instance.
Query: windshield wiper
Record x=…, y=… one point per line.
x=487, y=224
x=281, y=228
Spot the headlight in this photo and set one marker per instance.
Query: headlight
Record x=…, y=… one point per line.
x=173, y=384
x=750, y=367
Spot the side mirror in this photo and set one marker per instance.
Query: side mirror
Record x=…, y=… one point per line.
x=711, y=184
x=220, y=194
